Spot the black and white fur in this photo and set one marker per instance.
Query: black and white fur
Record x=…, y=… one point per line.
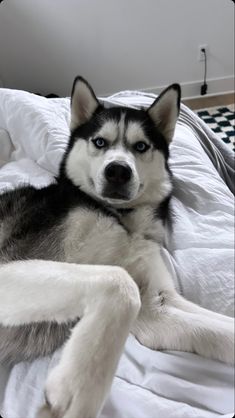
x=80, y=262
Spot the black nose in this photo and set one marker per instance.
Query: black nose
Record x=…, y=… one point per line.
x=118, y=173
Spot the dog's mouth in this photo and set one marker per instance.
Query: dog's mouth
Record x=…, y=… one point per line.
x=110, y=194
x=120, y=197
x=116, y=196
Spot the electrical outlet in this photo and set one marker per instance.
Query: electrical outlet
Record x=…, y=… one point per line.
x=201, y=55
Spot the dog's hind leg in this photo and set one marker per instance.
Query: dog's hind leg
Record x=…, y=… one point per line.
x=107, y=302
x=168, y=321
x=171, y=328
x=180, y=302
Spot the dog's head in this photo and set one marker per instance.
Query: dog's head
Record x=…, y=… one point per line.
x=119, y=155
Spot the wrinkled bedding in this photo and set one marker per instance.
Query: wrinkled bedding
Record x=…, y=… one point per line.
x=198, y=252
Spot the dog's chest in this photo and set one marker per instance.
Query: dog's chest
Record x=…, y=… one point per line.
x=142, y=221
x=91, y=237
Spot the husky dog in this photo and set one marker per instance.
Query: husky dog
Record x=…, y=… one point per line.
x=80, y=259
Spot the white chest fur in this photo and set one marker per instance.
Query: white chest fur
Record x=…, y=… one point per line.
x=93, y=238
x=143, y=222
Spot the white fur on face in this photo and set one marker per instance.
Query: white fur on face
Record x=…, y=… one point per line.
x=109, y=131
x=118, y=153
x=86, y=164
x=78, y=164
x=135, y=133
x=154, y=178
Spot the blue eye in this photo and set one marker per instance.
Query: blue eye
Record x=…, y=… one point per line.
x=141, y=146
x=99, y=142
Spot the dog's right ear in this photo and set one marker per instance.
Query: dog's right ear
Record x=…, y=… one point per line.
x=83, y=102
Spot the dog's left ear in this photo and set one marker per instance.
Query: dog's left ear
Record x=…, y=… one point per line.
x=83, y=102
x=165, y=110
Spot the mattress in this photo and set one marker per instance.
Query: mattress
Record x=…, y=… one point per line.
x=198, y=252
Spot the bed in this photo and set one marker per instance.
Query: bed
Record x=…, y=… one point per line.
x=198, y=252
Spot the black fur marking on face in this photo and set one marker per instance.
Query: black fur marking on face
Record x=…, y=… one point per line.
x=102, y=115
x=90, y=128
x=141, y=116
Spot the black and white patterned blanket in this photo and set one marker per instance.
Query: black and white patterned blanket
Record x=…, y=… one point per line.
x=221, y=121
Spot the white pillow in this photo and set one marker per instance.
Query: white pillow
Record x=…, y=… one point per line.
x=38, y=127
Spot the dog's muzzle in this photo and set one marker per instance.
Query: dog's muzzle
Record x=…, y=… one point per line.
x=117, y=176
x=118, y=173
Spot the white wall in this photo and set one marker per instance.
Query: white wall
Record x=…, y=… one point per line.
x=115, y=44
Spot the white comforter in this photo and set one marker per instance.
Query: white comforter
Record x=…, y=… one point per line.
x=199, y=253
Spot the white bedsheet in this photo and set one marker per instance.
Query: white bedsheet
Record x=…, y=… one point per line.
x=199, y=254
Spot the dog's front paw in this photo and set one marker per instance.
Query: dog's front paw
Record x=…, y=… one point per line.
x=66, y=397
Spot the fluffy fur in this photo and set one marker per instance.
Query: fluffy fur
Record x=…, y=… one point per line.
x=80, y=263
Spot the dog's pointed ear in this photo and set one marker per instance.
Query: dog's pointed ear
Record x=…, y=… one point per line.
x=165, y=110
x=83, y=102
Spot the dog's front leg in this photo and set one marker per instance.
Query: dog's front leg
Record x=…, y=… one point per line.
x=168, y=321
x=107, y=302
